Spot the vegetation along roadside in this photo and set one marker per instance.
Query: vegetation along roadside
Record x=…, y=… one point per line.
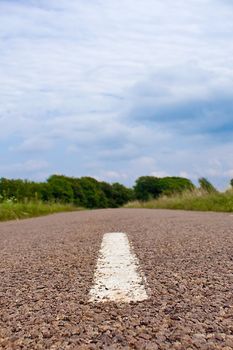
x=23, y=198
x=204, y=198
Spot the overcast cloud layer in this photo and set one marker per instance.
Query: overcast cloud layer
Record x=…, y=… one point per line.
x=116, y=89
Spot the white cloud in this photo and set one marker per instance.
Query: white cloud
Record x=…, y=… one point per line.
x=28, y=166
x=159, y=173
x=35, y=144
x=114, y=176
x=229, y=173
x=115, y=85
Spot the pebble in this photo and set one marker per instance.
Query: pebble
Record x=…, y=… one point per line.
x=47, y=267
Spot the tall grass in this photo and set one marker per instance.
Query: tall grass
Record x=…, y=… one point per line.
x=10, y=210
x=195, y=200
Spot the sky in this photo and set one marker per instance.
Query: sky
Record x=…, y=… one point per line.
x=116, y=89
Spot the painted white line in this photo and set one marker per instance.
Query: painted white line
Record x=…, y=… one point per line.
x=116, y=277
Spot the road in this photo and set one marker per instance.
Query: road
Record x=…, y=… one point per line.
x=47, y=268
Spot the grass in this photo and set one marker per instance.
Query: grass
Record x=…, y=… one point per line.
x=11, y=211
x=196, y=200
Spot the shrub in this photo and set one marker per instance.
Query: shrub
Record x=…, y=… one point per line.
x=206, y=185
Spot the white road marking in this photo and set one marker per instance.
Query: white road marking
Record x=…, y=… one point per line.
x=117, y=276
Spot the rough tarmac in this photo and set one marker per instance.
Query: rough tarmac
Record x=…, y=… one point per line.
x=47, y=266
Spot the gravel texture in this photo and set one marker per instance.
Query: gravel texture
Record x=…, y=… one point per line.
x=47, y=266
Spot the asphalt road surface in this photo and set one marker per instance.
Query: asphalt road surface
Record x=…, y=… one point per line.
x=48, y=266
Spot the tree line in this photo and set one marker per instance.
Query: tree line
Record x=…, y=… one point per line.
x=89, y=193
x=83, y=192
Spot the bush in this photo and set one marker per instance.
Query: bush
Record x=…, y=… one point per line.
x=196, y=200
x=60, y=189
x=9, y=210
x=149, y=187
x=206, y=185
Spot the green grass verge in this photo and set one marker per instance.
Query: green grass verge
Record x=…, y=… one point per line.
x=12, y=211
x=196, y=200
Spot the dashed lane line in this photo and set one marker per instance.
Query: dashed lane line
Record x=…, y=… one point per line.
x=117, y=277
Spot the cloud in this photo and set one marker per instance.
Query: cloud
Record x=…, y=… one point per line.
x=99, y=88
x=159, y=173
x=28, y=166
x=35, y=144
x=194, y=101
x=114, y=176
